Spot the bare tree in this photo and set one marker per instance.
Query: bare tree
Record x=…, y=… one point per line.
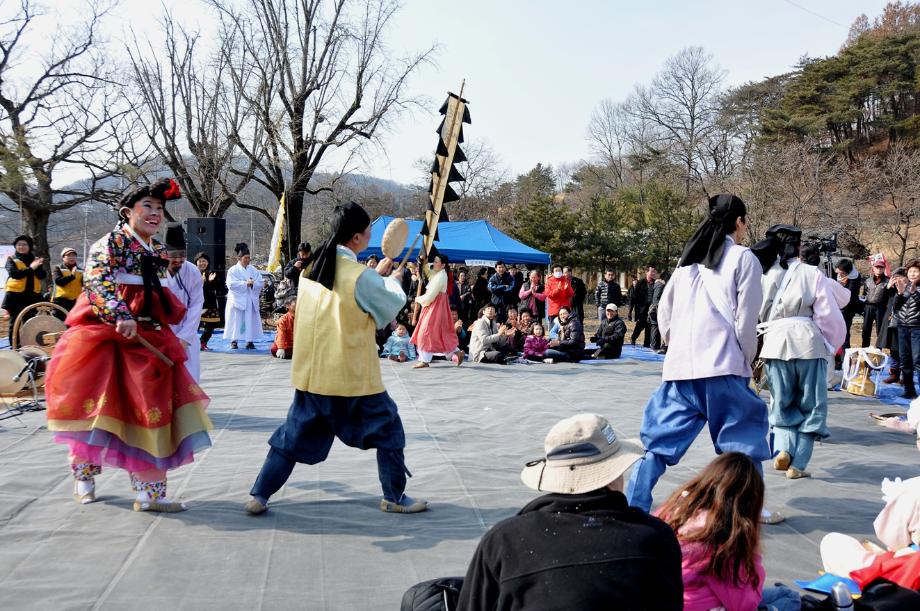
x=789, y=183
x=318, y=78
x=59, y=116
x=189, y=117
x=609, y=137
x=895, y=180
x=484, y=172
x=682, y=101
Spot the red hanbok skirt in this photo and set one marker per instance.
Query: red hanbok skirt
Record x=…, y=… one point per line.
x=435, y=330
x=112, y=401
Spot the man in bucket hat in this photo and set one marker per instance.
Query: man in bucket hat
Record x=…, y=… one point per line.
x=581, y=546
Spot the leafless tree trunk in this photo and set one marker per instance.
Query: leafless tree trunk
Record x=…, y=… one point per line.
x=609, y=139
x=895, y=179
x=190, y=118
x=63, y=115
x=318, y=78
x=682, y=101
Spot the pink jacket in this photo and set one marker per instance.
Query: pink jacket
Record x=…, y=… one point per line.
x=703, y=592
x=535, y=345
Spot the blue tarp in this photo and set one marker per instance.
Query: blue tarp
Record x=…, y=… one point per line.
x=462, y=241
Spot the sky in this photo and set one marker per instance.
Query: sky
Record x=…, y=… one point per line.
x=535, y=70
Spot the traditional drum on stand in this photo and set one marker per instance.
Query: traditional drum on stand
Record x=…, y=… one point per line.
x=13, y=369
x=42, y=330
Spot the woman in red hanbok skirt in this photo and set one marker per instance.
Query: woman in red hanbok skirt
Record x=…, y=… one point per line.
x=435, y=333
x=111, y=399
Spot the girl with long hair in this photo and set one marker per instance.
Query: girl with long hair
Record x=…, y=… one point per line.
x=716, y=516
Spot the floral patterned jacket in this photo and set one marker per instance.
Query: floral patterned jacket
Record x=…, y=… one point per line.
x=119, y=251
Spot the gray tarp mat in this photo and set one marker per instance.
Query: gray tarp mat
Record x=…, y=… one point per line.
x=325, y=544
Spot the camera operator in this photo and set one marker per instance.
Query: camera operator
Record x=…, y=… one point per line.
x=849, y=278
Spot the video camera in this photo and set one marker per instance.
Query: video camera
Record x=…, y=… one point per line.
x=818, y=245
x=826, y=244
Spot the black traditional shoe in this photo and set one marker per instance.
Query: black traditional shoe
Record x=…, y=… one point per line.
x=234, y=345
x=250, y=346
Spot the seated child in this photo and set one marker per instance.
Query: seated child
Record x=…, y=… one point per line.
x=535, y=345
x=716, y=516
x=398, y=346
x=283, y=346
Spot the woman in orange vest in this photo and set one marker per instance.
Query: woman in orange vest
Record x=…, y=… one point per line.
x=68, y=280
x=23, y=284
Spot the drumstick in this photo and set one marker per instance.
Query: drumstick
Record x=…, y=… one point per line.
x=409, y=252
x=143, y=342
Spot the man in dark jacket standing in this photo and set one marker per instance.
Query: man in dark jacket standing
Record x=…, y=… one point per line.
x=608, y=291
x=849, y=278
x=657, y=291
x=581, y=546
x=640, y=300
x=578, y=299
x=876, y=293
x=501, y=285
x=294, y=267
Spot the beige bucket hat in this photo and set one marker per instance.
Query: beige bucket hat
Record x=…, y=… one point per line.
x=583, y=453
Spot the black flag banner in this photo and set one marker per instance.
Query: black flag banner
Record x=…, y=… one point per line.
x=443, y=169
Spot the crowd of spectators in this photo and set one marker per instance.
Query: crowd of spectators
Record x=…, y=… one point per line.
x=512, y=314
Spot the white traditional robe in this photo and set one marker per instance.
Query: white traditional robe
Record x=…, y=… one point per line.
x=242, y=319
x=188, y=286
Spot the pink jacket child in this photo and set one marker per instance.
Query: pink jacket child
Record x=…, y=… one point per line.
x=535, y=346
x=702, y=591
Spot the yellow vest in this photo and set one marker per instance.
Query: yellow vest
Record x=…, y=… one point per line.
x=334, y=349
x=19, y=285
x=72, y=289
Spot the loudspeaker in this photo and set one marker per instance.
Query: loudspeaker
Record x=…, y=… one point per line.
x=208, y=235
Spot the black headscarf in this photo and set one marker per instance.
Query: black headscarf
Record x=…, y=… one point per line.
x=783, y=241
x=175, y=237
x=708, y=242
x=347, y=220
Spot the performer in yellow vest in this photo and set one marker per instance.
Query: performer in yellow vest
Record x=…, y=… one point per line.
x=68, y=280
x=23, y=284
x=336, y=371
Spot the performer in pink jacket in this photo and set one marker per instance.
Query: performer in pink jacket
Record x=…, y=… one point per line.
x=435, y=331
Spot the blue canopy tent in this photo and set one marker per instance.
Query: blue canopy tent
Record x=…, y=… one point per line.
x=470, y=242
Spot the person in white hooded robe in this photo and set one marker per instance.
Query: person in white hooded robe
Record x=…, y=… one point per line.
x=244, y=285
x=187, y=285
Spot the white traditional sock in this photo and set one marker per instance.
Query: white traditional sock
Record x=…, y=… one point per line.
x=85, y=487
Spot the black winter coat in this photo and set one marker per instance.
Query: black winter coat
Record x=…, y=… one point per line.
x=610, y=331
x=576, y=551
x=572, y=338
